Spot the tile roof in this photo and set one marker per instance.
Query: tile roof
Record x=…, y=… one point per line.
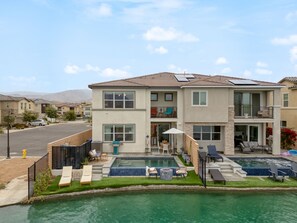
x=291, y=79
x=11, y=98
x=167, y=79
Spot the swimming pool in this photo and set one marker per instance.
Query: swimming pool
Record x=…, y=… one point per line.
x=259, y=166
x=135, y=166
x=185, y=206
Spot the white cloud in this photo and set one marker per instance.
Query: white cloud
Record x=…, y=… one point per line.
x=247, y=74
x=261, y=64
x=159, y=50
x=176, y=69
x=92, y=68
x=292, y=39
x=110, y=72
x=72, y=69
x=226, y=70
x=263, y=71
x=159, y=34
x=293, y=53
x=291, y=16
x=103, y=10
x=221, y=60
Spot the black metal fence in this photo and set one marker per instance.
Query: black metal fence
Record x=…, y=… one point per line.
x=65, y=155
x=202, y=166
x=38, y=167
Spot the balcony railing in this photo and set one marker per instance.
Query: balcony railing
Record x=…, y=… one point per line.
x=163, y=112
x=250, y=111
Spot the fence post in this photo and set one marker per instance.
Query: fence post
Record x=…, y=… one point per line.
x=34, y=171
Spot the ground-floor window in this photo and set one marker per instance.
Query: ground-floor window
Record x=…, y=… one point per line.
x=119, y=132
x=206, y=132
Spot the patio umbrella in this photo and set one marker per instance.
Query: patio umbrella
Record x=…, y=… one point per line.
x=173, y=131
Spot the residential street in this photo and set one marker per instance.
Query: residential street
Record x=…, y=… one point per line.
x=35, y=140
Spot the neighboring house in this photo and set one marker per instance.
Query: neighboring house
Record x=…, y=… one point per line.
x=15, y=106
x=40, y=106
x=87, y=110
x=62, y=108
x=289, y=103
x=212, y=109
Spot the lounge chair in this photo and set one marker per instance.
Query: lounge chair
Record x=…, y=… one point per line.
x=294, y=169
x=151, y=171
x=274, y=173
x=245, y=148
x=181, y=172
x=86, y=177
x=66, y=176
x=217, y=176
x=169, y=111
x=213, y=154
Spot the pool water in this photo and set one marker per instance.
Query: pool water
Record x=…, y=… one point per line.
x=161, y=207
x=145, y=161
x=261, y=162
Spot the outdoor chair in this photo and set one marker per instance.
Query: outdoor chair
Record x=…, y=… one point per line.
x=86, y=177
x=217, y=176
x=151, y=171
x=275, y=173
x=294, y=169
x=169, y=111
x=181, y=172
x=154, y=112
x=165, y=148
x=66, y=176
x=213, y=154
x=245, y=149
x=93, y=155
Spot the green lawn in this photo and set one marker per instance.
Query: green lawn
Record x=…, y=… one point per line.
x=2, y=186
x=191, y=179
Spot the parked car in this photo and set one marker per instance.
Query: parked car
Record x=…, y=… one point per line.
x=38, y=122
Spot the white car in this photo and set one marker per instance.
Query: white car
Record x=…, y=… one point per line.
x=38, y=122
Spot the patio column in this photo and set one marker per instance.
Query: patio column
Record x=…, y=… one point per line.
x=276, y=122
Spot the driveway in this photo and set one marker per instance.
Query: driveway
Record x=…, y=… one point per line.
x=35, y=140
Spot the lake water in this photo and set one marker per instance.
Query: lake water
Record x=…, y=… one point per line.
x=161, y=207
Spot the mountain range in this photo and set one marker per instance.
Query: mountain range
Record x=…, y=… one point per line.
x=69, y=96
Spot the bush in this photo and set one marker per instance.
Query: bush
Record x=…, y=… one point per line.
x=1, y=130
x=43, y=180
x=69, y=116
x=29, y=116
x=19, y=126
x=288, y=137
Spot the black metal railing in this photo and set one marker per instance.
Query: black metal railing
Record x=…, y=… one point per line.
x=250, y=111
x=39, y=166
x=163, y=112
x=66, y=155
x=202, y=167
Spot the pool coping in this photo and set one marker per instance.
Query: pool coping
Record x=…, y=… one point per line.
x=152, y=188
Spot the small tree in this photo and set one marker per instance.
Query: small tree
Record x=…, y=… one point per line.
x=70, y=116
x=29, y=116
x=288, y=137
x=9, y=120
x=51, y=112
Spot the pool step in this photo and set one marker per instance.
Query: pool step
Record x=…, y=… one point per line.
x=97, y=172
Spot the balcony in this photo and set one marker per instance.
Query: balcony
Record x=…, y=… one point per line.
x=163, y=112
x=251, y=112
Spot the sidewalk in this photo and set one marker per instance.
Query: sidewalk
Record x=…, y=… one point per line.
x=15, y=191
x=13, y=174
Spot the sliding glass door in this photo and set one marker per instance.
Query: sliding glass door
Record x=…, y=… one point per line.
x=246, y=104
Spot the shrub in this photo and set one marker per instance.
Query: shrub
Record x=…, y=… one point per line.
x=29, y=116
x=19, y=126
x=43, y=180
x=288, y=137
x=1, y=130
x=70, y=116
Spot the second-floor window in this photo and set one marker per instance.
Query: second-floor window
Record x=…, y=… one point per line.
x=206, y=132
x=285, y=100
x=199, y=98
x=119, y=99
x=22, y=106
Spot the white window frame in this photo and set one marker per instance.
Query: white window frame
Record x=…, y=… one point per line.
x=211, y=132
x=114, y=133
x=200, y=91
x=283, y=104
x=114, y=100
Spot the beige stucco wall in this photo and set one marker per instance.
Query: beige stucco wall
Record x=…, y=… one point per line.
x=215, y=111
x=76, y=139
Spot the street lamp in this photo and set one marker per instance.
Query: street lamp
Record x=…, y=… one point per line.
x=9, y=120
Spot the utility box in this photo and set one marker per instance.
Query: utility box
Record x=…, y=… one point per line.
x=97, y=145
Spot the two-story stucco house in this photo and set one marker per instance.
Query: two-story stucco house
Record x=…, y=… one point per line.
x=289, y=103
x=212, y=109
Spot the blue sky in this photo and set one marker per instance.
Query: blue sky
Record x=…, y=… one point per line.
x=55, y=45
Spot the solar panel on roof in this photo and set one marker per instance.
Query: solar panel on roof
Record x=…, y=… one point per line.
x=243, y=82
x=181, y=78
